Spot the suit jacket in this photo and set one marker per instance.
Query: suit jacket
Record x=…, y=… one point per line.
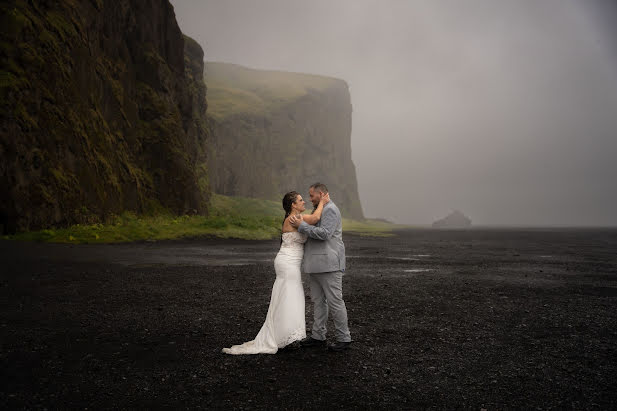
x=324, y=250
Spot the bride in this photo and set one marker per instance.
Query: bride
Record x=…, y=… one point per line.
x=285, y=321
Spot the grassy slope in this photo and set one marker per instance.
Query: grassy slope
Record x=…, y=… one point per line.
x=231, y=217
x=234, y=89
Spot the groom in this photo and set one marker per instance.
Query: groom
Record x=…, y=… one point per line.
x=324, y=261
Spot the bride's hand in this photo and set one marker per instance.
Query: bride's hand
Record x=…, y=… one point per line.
x=295, y=220
x=325, y=199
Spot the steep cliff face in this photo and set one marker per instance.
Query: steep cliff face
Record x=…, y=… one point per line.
x=103, y=110
x=274, y=132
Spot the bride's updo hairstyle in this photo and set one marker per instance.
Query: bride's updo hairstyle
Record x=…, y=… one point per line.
x=288, y=200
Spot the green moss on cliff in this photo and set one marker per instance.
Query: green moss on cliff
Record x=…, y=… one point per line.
x=234, y=89
x=118, y=114
x=61, y=25
x=15, y=20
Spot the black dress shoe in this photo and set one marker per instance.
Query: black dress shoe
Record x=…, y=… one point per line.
x=339, y=346
x=311, y=342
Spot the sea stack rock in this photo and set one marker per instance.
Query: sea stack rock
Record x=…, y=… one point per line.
x=456, y=219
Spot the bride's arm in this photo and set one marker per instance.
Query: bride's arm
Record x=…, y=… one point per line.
x=312, y=219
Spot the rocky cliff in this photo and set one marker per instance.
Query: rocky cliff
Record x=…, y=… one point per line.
x=103, y=110
x=273, y=132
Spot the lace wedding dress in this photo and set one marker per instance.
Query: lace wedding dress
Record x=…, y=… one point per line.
x=285, y=321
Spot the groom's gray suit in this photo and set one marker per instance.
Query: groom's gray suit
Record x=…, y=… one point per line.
x=324, y=261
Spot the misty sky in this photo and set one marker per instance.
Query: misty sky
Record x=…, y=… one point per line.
x=505, y=110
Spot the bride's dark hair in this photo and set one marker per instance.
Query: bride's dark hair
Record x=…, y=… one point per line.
x=288, y=200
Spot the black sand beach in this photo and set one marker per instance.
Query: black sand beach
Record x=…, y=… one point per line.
x=440, y=319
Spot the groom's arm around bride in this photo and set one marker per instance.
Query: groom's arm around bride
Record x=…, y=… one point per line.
x=324, y=251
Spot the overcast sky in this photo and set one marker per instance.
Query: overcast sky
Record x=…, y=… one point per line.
x=503, y=109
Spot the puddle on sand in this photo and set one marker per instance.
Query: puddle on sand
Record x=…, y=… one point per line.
x=418, y=270
x=422, y=255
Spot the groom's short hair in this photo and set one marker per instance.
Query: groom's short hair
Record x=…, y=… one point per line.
x=319, y=187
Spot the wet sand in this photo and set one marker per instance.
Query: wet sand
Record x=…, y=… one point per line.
x=443, y=319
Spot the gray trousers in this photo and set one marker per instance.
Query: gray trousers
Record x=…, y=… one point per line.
x=327, y=293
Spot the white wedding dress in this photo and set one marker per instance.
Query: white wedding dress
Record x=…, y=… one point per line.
x=285, y=321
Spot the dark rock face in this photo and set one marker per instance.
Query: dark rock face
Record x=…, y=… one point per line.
x=305, y=140
x=103, y=110
x=456, y=219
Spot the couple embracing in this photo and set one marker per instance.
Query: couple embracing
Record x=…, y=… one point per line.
x=313, y=242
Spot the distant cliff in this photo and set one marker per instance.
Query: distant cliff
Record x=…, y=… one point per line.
x=103, y=110
x=272, y=132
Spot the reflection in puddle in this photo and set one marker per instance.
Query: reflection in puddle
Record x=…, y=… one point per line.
x=418, y=270
x=422, y=255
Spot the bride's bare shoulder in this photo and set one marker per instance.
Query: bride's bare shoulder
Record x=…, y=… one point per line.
x=288, y=228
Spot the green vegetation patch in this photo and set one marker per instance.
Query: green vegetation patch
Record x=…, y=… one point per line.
x=230, y=217
x=370, y=227
x=233, y=89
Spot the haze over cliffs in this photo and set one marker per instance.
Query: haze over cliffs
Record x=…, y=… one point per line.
x=103, y=110
x=273, y=132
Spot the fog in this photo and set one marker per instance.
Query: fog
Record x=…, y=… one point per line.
x=505, y=110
